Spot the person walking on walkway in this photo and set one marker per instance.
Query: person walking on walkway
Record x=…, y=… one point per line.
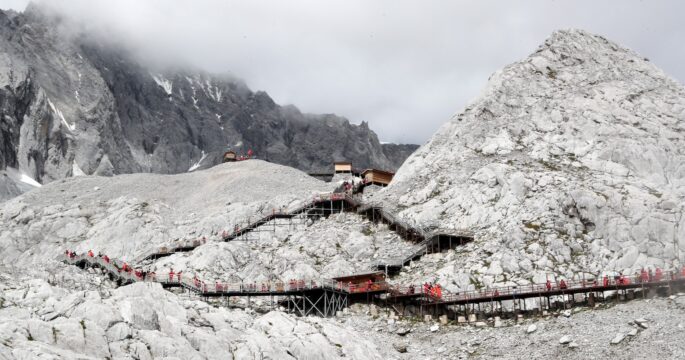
x=171, y=275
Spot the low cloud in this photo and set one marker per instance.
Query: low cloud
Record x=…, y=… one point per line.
x=403, y=66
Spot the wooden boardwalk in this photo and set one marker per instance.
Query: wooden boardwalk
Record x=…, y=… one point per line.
x=325, y=297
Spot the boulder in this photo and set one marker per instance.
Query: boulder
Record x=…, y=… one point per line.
x=400, y=347
x=641, y=322
x=403, y=331
x=617, y=339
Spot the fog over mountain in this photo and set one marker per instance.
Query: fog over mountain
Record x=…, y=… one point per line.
x=74, y=104
x=403, y=66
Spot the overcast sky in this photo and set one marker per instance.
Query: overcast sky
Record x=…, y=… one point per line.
x=403, y=66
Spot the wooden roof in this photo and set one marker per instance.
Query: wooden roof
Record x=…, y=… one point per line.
x=378, y=171
x=374, y=276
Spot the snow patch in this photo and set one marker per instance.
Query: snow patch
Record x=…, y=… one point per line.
x=163, y=82
x=76, y=170
x=59, y=114
x=197, y=164
x=29, y=180
x=218, y=93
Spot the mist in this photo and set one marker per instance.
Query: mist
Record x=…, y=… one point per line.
x=403, y=66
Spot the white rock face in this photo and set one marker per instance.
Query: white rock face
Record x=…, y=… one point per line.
x=571, y=161
x=146, y=322
x=130, y=215
x=343, y=244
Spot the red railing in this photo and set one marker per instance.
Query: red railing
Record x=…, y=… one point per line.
x=433, y=293
x=603, y=283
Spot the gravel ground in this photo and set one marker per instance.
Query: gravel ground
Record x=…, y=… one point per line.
x=590, y=333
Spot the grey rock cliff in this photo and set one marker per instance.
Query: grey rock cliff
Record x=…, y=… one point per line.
x=74, y=105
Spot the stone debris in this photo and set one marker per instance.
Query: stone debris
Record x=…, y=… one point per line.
x=531, y=328
x=618, y=338
x=403, y=331
x=400, y=347
x=565, y=339
x=641, y=323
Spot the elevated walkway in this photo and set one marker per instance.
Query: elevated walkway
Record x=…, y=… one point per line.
x=325, y=297
x=312, y=297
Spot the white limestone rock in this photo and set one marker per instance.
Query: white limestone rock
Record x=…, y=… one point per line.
x=570, y=160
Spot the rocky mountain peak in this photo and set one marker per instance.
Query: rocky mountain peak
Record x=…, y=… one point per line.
x=570, y=159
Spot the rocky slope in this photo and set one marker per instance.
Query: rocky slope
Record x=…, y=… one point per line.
x=557, y=172
x=72, y=104
x=74, y=315
x=52, y=309
x=571, y=160
x=145, y=211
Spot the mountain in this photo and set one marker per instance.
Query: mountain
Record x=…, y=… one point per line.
x=72, y=105
x=574, y=169
x=570, y=161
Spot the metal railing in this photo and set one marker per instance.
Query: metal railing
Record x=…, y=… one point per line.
x=571, y=286
x=127, y=274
